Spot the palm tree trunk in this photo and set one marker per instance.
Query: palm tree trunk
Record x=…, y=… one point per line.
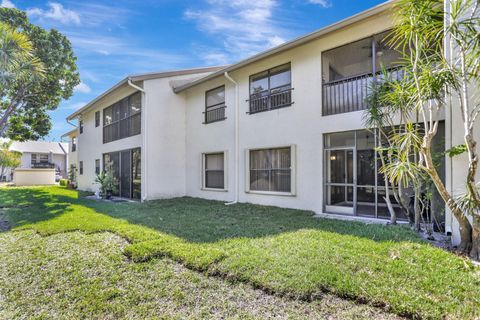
x=416, y=209
x=464, y=225
x=475, y=252
x=393, y=215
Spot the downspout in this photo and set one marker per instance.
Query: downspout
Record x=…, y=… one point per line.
x=144, y=137
x=448, y=101
x=237, y=155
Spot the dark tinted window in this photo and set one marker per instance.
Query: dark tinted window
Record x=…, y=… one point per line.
x=122, y=119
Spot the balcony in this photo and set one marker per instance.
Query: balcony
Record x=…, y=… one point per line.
x=123, y=128
x=266, y=100
x=349, y=71
x=349, y=95
x=217, y=113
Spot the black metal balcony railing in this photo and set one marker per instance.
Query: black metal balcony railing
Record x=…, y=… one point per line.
x=271, y=99
x=43, y=165
x=215, y=114
x=348, y=95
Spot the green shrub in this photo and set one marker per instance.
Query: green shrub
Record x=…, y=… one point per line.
x=63, y=182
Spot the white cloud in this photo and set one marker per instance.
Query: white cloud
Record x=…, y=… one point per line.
x=7, y=4
x=98, y=15
x=215, y=58
x=243, y=27
x=83, y=88
x=56, y=12
x=122, y=52
x=322, y=3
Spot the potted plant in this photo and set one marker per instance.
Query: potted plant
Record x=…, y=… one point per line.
x=72, y=177
x=108, y=182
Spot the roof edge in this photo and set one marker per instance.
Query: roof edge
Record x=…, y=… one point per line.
x=293, y=43
x=69, y=132
x=142, y=77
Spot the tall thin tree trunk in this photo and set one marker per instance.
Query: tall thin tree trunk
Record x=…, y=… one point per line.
x=464, y=225
x=416, y=209
x=393, y=215
x=401, y=202
x=475, y=252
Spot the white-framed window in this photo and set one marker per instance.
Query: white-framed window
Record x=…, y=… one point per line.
x=271, y=170
x=40, y=158
x=43, y=158
x=215, y=105
x=74, y=144
x=214, y=176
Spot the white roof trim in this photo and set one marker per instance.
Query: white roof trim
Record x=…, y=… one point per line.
x=142, y=77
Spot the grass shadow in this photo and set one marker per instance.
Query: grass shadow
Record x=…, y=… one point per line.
x=192, y=219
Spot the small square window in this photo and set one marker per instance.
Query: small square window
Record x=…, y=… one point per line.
x=270, y=170
x=215, y=105
x=214, y=171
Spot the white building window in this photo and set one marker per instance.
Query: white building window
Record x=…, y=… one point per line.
x=40, y=158
x=214, y=177
x=271, y=170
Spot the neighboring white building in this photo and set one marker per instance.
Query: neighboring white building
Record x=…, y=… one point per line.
x=282, y=128
x=40, y=155
x=71, y=137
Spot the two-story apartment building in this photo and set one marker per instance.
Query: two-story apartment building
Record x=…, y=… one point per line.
x=284, y=127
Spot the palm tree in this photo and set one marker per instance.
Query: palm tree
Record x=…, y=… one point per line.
x=423, y=29
x=18, y=63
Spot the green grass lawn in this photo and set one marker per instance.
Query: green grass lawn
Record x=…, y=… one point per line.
x=287, y=252
x=78, y=276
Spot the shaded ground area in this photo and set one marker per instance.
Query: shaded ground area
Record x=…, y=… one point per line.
x=192, y=219
x=74, y=275
x=4, y=224
x=281, y=251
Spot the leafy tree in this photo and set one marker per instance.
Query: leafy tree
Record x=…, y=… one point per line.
x=385, y=124
x=8, y=158
x=36, y=85
x=419, y=99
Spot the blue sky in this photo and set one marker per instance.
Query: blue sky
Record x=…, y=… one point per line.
x=113, y=39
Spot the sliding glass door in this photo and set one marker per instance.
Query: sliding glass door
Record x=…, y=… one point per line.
x=126, y=174
x=340, y=183
x=126, y=166
x=353, y=184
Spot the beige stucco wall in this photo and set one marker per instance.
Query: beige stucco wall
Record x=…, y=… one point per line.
x=33, y=177
x=164, y=149
x=90, y=142
x=301, y=125
x=163, y=130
